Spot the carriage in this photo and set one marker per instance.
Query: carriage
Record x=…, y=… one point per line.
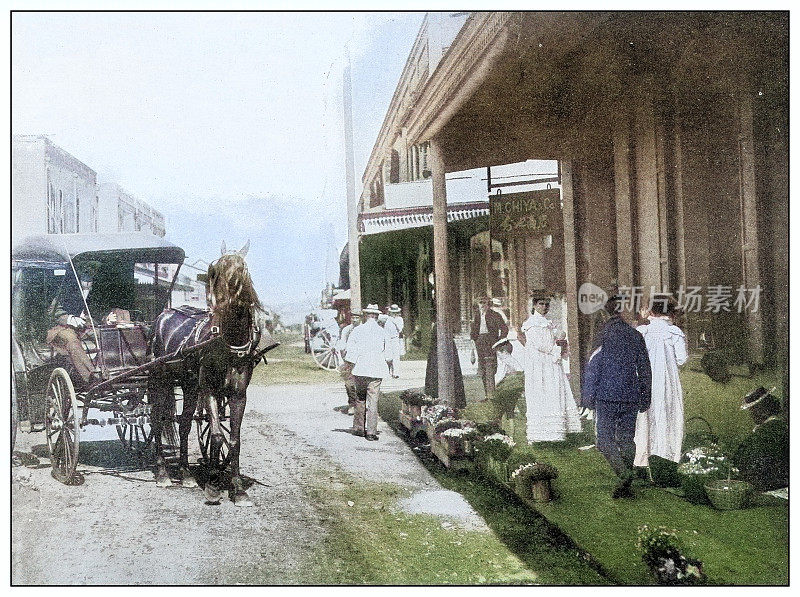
x=133, y=276
x=324, y=338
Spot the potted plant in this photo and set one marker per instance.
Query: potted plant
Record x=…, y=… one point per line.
x=413, y=401
x=533, y=481
x=728, y=494
x=494, y=450
x=702, y=465
x=459, y=439
x=661, y=552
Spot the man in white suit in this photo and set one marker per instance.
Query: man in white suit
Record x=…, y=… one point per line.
x=367, y=350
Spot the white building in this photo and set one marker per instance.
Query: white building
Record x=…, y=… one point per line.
x=122, y=212
x=52, y=192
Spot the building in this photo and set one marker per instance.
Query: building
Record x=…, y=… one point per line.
x=122, y=212
x=52, y=191
x=670, y=135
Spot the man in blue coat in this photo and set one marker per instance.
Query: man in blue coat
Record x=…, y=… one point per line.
x=616, y=384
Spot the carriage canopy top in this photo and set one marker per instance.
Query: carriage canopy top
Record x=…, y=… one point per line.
x=60, y=248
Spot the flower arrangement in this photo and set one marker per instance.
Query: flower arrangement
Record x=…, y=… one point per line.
x=661, y=551
x=703, y=464
x=446, y=423
x=416, y=397
x=434, y=413
x=497, y=446
x=459, y=439
x=536, y=471
x=464, y=433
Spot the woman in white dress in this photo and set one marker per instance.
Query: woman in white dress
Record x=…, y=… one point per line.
x=551, y=408
x=394, y=345
x=659, y=430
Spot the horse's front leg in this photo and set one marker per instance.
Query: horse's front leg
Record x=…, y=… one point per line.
x=238, y=494
x=190, y=392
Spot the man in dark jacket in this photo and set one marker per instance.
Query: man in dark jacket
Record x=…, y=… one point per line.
x=616, y=384
x=487, y=328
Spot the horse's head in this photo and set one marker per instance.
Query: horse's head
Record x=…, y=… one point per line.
x=230, y=286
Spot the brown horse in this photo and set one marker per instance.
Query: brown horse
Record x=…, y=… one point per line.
x=214, y=374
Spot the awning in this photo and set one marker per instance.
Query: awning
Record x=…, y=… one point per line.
x=417, y=217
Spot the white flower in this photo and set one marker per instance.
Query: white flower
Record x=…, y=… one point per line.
x=499, y=437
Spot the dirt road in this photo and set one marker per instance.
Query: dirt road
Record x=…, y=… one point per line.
x=118, y=527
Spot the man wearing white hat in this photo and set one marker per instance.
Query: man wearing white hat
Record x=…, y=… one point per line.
x=366, y=349
x=394, y=331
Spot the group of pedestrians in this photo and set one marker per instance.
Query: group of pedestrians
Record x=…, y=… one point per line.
x=631, y=382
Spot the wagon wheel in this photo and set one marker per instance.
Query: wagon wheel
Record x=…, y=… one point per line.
x=62, y=425
x=204, y=433
x=327, y=356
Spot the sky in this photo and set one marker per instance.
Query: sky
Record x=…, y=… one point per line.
x=230, y=124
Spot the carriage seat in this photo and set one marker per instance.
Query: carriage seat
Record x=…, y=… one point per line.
x=120, y=348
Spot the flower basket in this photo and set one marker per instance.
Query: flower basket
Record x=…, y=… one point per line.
x=533, y=481
x=694, y=489
x=728, y=494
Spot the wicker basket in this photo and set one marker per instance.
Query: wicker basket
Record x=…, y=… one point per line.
x=728, y=494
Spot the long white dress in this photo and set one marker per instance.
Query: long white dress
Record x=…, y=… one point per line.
x=552, y=412
x=659, y=430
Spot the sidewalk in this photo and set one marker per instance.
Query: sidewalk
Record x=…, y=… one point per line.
x=307, y=410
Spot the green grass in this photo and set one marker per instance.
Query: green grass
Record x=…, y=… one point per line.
x=289, y=364
x=373, y=542
x=737, y=547
x=537, y=543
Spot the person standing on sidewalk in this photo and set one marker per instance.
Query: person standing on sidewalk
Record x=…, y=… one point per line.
x=616, y=385
x=394, y=331
x=487, y=328
x=346, y=369
x=366, y=350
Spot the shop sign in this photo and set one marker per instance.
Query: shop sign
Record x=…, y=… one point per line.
x=529, y=213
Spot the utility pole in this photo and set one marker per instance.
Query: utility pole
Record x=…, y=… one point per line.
x=352, y=200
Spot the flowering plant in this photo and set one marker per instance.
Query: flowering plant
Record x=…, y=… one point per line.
x=707, y=460
x=661, y=551
x=446, y=423
x=465, y=432
x=434, y=413
x=535, y=471
x=497, y=446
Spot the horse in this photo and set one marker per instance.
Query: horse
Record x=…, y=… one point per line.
x=221, y=369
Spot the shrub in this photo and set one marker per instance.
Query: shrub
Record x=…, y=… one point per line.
x=520, y=457
x=763, y=457
x=661, y=551
x=445, y=424
x=416, y=397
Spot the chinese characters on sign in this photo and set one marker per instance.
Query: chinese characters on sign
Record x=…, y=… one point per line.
x=532, y=212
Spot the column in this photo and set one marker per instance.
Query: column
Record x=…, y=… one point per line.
x=749, y=214
x=444, y=346
x=571, y=275
x=622, y=199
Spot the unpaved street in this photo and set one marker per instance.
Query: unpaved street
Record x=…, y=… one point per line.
x=118, y=527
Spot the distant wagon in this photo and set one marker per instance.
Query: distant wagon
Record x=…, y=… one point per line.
x=324, y=337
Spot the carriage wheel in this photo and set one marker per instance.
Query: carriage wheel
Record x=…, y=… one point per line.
x=63, y=426
x=326, y=356
x=204, y=433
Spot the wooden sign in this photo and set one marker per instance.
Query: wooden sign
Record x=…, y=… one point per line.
x=530, y=213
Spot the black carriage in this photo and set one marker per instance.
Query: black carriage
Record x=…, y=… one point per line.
x=132, y=279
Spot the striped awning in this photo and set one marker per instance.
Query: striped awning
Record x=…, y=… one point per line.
x=417, y=217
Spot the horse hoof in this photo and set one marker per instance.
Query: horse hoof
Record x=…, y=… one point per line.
x=188, y=482
x=242, y=500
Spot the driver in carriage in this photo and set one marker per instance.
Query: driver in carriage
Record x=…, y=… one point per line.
x=68, y=313
x=99, y=289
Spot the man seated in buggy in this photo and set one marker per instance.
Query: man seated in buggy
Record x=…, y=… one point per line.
x=69, y=315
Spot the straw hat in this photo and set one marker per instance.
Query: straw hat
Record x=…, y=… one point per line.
x=496, y=302
x=394, y=309
x=372, y=309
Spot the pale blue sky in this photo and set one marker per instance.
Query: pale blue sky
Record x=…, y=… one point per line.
x=229, y=123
